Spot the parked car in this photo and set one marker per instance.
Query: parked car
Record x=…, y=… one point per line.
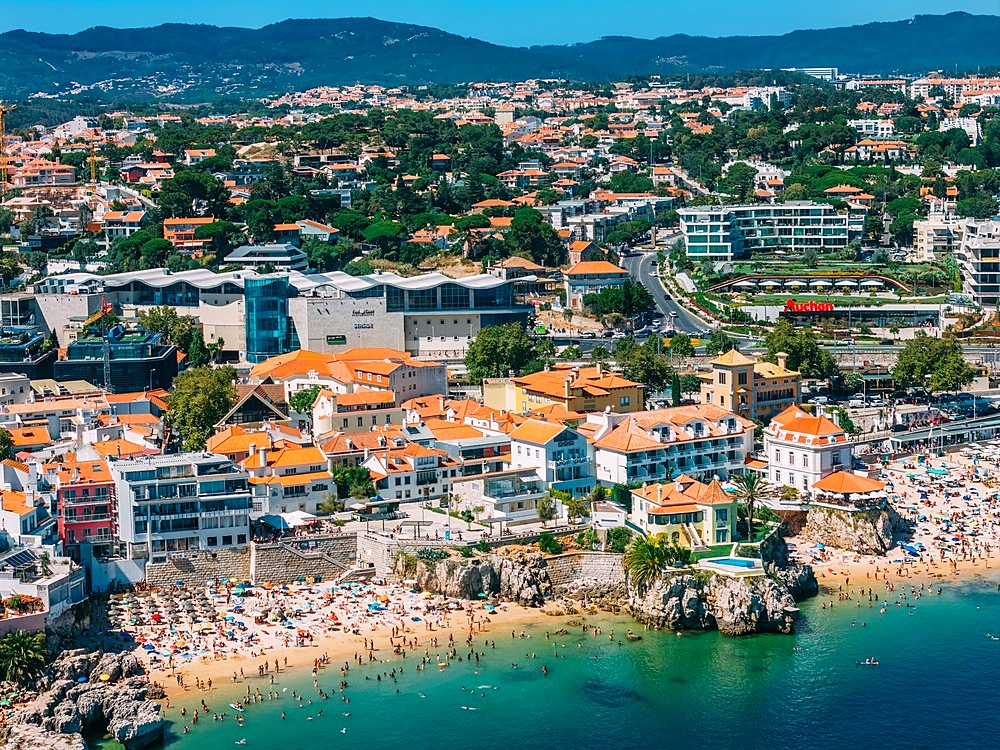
x=856, y=403
x=588, y=335
x=819, y=400
x=899, y=428
x=886, y=342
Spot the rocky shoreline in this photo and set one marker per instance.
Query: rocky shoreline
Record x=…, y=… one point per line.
x=123, y=704
x=686, y=599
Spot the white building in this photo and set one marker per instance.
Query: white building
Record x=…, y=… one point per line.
x=802, y=449
x=726, y=232
x=559, y=455
x=874, y=128
x=702, y=441
x=512, y=494
x=978, y=255
x=288, y=478
x=180, y=502
x=280, y=257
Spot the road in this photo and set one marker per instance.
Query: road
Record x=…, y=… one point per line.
x=640, y=266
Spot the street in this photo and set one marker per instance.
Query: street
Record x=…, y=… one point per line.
x=640, y=266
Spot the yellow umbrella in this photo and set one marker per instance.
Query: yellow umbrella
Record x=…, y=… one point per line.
x=104, y=677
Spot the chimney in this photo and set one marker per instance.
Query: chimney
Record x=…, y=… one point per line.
x=441, y=403
x=835, y=416
x=782, y=360
x=600, y=370
x=659, y=492
x=252, y=449
x=566, y=384
x=262, y=455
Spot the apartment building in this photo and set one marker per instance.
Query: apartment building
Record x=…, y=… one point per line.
x=84, y=494
x=511, y=494
x=559, y=456
x=411, y=472
x=180, y=232
x=753, y=389
x=288, y=477
x=938, y=234
x=180, y=502
x=722, y=233
x=978, y=255
x=702, y=441
x=359, y=411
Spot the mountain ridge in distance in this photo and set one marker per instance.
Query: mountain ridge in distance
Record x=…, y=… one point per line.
x=192, y=61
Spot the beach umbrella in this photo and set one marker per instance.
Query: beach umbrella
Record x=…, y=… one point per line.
x=81, y=679
x=149, y=647
x=179, y=584
x=104, y=677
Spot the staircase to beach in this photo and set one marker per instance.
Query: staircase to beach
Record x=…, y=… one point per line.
x=692, y=534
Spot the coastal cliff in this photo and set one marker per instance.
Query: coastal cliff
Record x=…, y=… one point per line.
x=66, y=707
x=700, y=601
x=515, y=574
x=868, y=532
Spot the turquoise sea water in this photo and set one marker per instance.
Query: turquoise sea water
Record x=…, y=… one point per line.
x=935, y=687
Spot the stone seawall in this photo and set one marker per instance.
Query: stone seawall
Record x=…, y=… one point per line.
x=327, y=556
x=574, y=566
x=197, y=567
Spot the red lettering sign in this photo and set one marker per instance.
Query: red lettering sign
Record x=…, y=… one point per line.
x=793, y=306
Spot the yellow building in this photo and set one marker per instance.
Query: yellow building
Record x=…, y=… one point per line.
x=577, y=389
x=751, y=388
x=689, y=512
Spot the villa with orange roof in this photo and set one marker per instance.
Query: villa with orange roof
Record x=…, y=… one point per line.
x=803, y=448
x=412, y=473
x=690, y=513
x=753, y=389
x=576, y=389
x=702, y=440
x=591, y=277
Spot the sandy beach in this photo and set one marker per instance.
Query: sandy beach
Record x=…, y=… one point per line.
x=953, y=505
x=228, y=638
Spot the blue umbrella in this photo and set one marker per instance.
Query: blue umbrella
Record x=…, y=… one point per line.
x=149, y=647
x=178, y=584
x=81, y=679
x=911, y=549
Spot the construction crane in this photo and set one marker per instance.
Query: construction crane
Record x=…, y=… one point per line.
x=93, y=159
x=4, y=109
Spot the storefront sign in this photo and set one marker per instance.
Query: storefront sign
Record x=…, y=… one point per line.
x=793, y=306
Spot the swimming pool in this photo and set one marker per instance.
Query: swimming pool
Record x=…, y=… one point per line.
x=735, y=562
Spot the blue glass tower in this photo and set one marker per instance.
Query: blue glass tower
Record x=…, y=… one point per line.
x=269, y=329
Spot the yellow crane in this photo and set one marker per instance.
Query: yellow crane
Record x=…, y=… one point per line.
x=4, y=109
x=93, y=159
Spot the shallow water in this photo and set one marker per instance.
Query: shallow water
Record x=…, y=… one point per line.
x=933, y=688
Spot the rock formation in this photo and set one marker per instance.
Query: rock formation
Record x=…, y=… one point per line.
x=513, y=574
x=736, y=606
x=67, y=707
x=868, y=532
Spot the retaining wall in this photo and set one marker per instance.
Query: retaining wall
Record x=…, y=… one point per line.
x=572, y=566
x=194, y=568
x=326, y=556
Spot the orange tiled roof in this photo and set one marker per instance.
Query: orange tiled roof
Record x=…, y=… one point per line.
x=536, y=432
x=844, y=483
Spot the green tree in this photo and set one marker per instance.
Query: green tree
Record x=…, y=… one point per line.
x=642, y=364
x=22, y=656
x=198, y=353
x=739, y=181
x=681, y=345
x=353, y=481
x=675, y=390
x=940, y=358
x=618, y=539
x=804, y=353
x=201, y=397
x=176, y=329
x=628, y=299
x=224, y=236
x=302, y=401
x=532, y=237
x=387, y=235
x=719, y=343
x=192, y=193
x=500, y=350
x=6, y=445
x=751, y=488
x=546, y=509
x=810, y=257
x=6, y=220
x=644, y=561
x=690, y=383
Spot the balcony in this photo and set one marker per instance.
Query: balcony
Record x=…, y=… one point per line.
x=88, y=519
x=571, y=461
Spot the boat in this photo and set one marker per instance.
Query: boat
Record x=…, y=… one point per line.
x=235, y=707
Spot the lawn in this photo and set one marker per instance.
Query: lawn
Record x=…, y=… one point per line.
x=716, y=550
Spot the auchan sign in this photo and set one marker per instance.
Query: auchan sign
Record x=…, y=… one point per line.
x=793, y=306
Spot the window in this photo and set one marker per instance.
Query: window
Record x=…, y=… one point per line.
x=722, y=378
x=227, y=540
x=743, y=378
x=625, y=400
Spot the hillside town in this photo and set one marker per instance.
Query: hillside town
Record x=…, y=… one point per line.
x=465, y=314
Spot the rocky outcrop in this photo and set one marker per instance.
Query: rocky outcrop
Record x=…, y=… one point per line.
x=515, y=574
x=736, y=606
x=800, y=580
x=868, y=532
x=68, y=707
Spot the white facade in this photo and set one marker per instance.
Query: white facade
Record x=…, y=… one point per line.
x=978, y=256
x=180, y=502
x=802, y=449
x=559, y=456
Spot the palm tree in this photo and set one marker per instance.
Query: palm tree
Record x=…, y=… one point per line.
x=22, y=655
x=645, y=558
x=750, y=489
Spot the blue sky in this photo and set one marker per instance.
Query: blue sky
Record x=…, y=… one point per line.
x=517, y=22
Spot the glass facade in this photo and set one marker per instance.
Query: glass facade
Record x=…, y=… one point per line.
x=269, y=329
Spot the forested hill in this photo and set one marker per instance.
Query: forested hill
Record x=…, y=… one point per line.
x=192, y=62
